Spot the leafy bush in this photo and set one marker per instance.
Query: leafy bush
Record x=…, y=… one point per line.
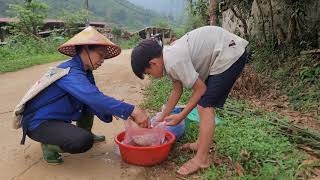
x=31, y=15
x=179, y=31
x=128, y=44
x=116, y=31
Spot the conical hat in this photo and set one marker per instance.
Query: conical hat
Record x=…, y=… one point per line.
x=89, y=36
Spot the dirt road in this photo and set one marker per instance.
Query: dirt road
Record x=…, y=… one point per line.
x=114, y=78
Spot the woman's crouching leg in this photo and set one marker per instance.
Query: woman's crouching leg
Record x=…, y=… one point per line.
x=81, y=143
x=68, y=137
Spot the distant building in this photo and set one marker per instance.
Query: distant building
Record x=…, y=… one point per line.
x=147, y=32
x=4, y=22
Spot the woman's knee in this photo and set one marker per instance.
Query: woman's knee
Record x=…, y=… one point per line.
x=80, y=144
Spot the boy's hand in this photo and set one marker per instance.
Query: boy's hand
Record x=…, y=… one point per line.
x=140, y=117
x=173, y=119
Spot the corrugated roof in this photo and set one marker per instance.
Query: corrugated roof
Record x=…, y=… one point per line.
x=7, y=20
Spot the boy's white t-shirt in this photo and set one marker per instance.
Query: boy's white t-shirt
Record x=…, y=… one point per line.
x=205, y=51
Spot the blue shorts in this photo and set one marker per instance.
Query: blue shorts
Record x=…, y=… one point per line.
x=219, y=85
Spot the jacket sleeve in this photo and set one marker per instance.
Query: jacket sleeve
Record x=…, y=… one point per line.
x=77, y=84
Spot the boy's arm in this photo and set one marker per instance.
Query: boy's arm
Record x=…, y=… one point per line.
x=198, y=89
x=176, y=92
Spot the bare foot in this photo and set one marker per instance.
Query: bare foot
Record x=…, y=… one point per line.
x=192, y=166
x=189, y=146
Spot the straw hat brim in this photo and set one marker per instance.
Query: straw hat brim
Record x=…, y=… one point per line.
x=110, y=51
x=89, y=36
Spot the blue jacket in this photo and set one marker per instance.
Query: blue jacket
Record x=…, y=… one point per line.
x=71, y=95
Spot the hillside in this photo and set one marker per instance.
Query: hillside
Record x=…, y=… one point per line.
x=120, y=12
x=174, y=8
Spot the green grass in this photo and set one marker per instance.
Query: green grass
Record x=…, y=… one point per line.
x=23, y=51
x=20, y=63
x=246, y=137
x=158, y=92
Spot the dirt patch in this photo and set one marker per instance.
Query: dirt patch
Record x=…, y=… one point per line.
x=252, y=87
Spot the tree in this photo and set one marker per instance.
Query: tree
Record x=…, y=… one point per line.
x=198, y=13
x=242, y=10
x=72, y=20
x=30, y=16
x=199, y=8
x=297, y=22
x=212, y=12
x=272, y=19
x=262, y=19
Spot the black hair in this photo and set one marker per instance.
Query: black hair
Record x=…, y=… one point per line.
x=79, y=48
x=141, y=55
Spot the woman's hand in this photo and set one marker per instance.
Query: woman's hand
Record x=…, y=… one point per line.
x=140, y=117
x=160, y=117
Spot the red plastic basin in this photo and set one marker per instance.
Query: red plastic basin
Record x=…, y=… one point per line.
x=145, y=156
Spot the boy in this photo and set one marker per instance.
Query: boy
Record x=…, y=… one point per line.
x=208, y=60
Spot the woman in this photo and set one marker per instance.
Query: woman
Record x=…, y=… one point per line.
x=48, y=115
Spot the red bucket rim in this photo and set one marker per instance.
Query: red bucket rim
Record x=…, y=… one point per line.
x=171, y=141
